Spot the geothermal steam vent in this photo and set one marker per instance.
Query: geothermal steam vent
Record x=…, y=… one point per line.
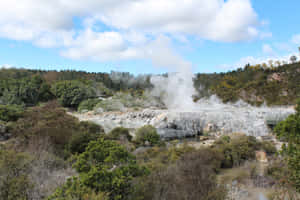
x=184, y=118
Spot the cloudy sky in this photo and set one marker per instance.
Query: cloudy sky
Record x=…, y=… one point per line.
x=146, y=36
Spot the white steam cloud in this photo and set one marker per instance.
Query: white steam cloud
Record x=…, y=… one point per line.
x=177, y=89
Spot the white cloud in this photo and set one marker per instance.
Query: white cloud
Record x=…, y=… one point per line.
x=296, y=39
x=99, y=47
x=257, y=60
x=228, y=21
x=264, y=35
x=5, y=66
x=135, y=24
x=267, y=49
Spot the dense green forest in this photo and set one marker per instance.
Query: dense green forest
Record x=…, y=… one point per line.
x=45, y=153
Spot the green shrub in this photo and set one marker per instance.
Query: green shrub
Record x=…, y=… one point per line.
x=72, y=93
x=119, y=133
x=24, y=91
x=147, y=134
x=74, y=189
x=268, y=147
x=193, y=176
x=48, y=124
x=237, y=150
x=90, y=127
x=79, y=141
x=88, y=104
x=110, y=105
x=10, y=112
x=289, y=131
x=14, y=181
x=108, y=167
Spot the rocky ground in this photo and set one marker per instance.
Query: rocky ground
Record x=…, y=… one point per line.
x=209, y=120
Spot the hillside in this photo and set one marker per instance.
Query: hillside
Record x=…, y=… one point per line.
x=254, y=84
x=50, y=152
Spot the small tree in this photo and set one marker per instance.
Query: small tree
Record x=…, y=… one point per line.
x=289, y=131
x=147, y=134
x=108, y=167
x=293, y=59
x=72, y=93
x=277, y=63
x=120, y=133
x=10, y=112
x=14, y=180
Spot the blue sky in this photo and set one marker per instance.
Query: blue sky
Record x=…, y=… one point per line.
x=147, y=36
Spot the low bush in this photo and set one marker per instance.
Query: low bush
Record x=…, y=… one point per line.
x=268, y=147
x=119, y=133
x=105, y=166
x=193, y=176
x=289, y=131
x=237, y=150
x=90, y=127
x=158, y=157
x=50, y=123
x=10, y=112
x=88, y=104
x=147, y=134
x=79, y=141
x=74, y=189
x=72, y=93
x=110, y=105
x=14, y=181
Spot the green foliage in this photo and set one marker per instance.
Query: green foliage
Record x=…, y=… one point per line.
x=72, y=93
x=74, y=189
x=289, y=131
x=158, y=157
x=119, y=133
x=102, y=153
x=51, y=124
x=10, y=112
x=14, y=181
x=147, y=133
x=268, y=147
x=193, y=176
x=108, y=167
x=90, y=127
x=88, y=131
x=237, y=150
x=253, y=84
x=28, y=91
x=110, y=105
x=88, y=104
x=79, y=141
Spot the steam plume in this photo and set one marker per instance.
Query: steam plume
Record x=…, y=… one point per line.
x=177, y=88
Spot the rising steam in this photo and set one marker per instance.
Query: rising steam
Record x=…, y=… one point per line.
x=177, y=89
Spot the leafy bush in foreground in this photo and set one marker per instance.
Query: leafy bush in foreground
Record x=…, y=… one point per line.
x=236, y=150
x=193, y=176
x=289, y=131
x=51, y=124
x=104, y=166
x=14, y=181
x=74, y=189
